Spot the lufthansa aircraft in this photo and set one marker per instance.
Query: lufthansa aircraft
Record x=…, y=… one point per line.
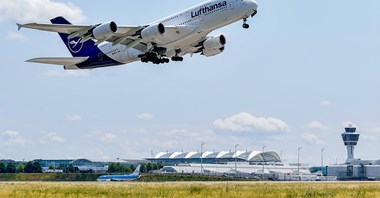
x=186, y=32
x=121, y=178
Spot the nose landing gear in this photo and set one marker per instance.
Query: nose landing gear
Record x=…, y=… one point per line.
x=245, y=24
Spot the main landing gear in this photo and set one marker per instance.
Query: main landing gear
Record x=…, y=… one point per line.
x=177, y=58
x=152, y=57
x=158, y=58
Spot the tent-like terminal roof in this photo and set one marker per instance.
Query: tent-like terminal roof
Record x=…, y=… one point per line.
x=254, y=157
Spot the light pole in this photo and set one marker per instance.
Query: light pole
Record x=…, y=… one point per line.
x=236, y=145
x=202, y=143
x=264, y=146
x=299, y=148
x=322, y=159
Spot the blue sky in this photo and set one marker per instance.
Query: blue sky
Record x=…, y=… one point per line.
x=301, y=72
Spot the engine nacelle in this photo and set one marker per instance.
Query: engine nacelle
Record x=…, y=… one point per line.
x=212, y=52
x=214, y=43
x=70, y=67
x=153, y=31
x=105, y=30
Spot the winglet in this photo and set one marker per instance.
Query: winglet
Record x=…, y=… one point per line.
x=19, y=26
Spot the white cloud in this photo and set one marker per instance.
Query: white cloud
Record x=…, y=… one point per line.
x=14, y=139
x=16, y=36
x=108, y=137
x=325, y=103
x=73, y=118
x=145, y=116
x=375, y=130
x=368, y=137
x=315, y=125
x=67, y=73
x=26, y=11
x=248, y=123
x=182, y=133
x=52, y=138
x=371, y=134
x=311, y=138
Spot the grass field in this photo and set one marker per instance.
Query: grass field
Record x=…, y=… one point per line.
x=186, y=189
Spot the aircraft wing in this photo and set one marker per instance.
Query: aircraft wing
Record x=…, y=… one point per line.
x=59, y=61
x=85, y=31
x=125, y=35
x=66, y=29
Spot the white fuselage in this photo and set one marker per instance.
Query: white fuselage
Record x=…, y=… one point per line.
x=194, y=24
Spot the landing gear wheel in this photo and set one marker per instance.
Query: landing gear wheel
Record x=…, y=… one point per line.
x=245, y=25
x=177, y=58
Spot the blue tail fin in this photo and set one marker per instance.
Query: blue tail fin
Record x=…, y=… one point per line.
x=76, y=48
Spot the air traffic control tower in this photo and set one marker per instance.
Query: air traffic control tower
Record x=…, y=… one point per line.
x=350, y=139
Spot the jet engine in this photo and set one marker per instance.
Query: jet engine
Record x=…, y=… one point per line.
x=214, y=45
x=153, y=31
x=105, y=30
x=212, y=52
x=214, y=42
x=70, y=67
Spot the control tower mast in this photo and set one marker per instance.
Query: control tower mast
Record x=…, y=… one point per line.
x=350, y=139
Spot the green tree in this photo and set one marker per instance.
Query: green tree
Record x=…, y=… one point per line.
x=71, y=168
x=37, y=168
x=154, y=166
x=112, y=168
x=132, y=168
x=51, y=167
x=11, y=168
x=149, y=167
x=119, y=168
x=128, y=169
x=20, y=168
x=28, y=167
x=143, y=168
x=2, y=167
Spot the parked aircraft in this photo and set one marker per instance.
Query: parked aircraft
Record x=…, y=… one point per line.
x=121, y=178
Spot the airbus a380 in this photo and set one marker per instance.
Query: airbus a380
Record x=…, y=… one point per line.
x=183, y=33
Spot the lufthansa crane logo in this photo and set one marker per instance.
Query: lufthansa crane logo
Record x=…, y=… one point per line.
x=75, y=44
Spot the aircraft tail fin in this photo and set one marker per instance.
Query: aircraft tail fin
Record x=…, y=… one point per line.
x=74, y=45
x=137, y=170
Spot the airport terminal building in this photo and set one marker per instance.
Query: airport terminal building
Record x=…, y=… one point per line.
x=222, y=157
x=354, y=168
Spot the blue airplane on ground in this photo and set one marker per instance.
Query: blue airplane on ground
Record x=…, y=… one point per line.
x=121, y=178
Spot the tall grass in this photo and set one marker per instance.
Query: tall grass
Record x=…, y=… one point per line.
x=196, y=189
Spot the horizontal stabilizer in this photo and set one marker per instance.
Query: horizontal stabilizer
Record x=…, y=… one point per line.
x=59, y=61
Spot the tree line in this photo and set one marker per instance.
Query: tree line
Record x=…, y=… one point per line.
x=35, y=167
x=121, y=168
x=30, y=167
